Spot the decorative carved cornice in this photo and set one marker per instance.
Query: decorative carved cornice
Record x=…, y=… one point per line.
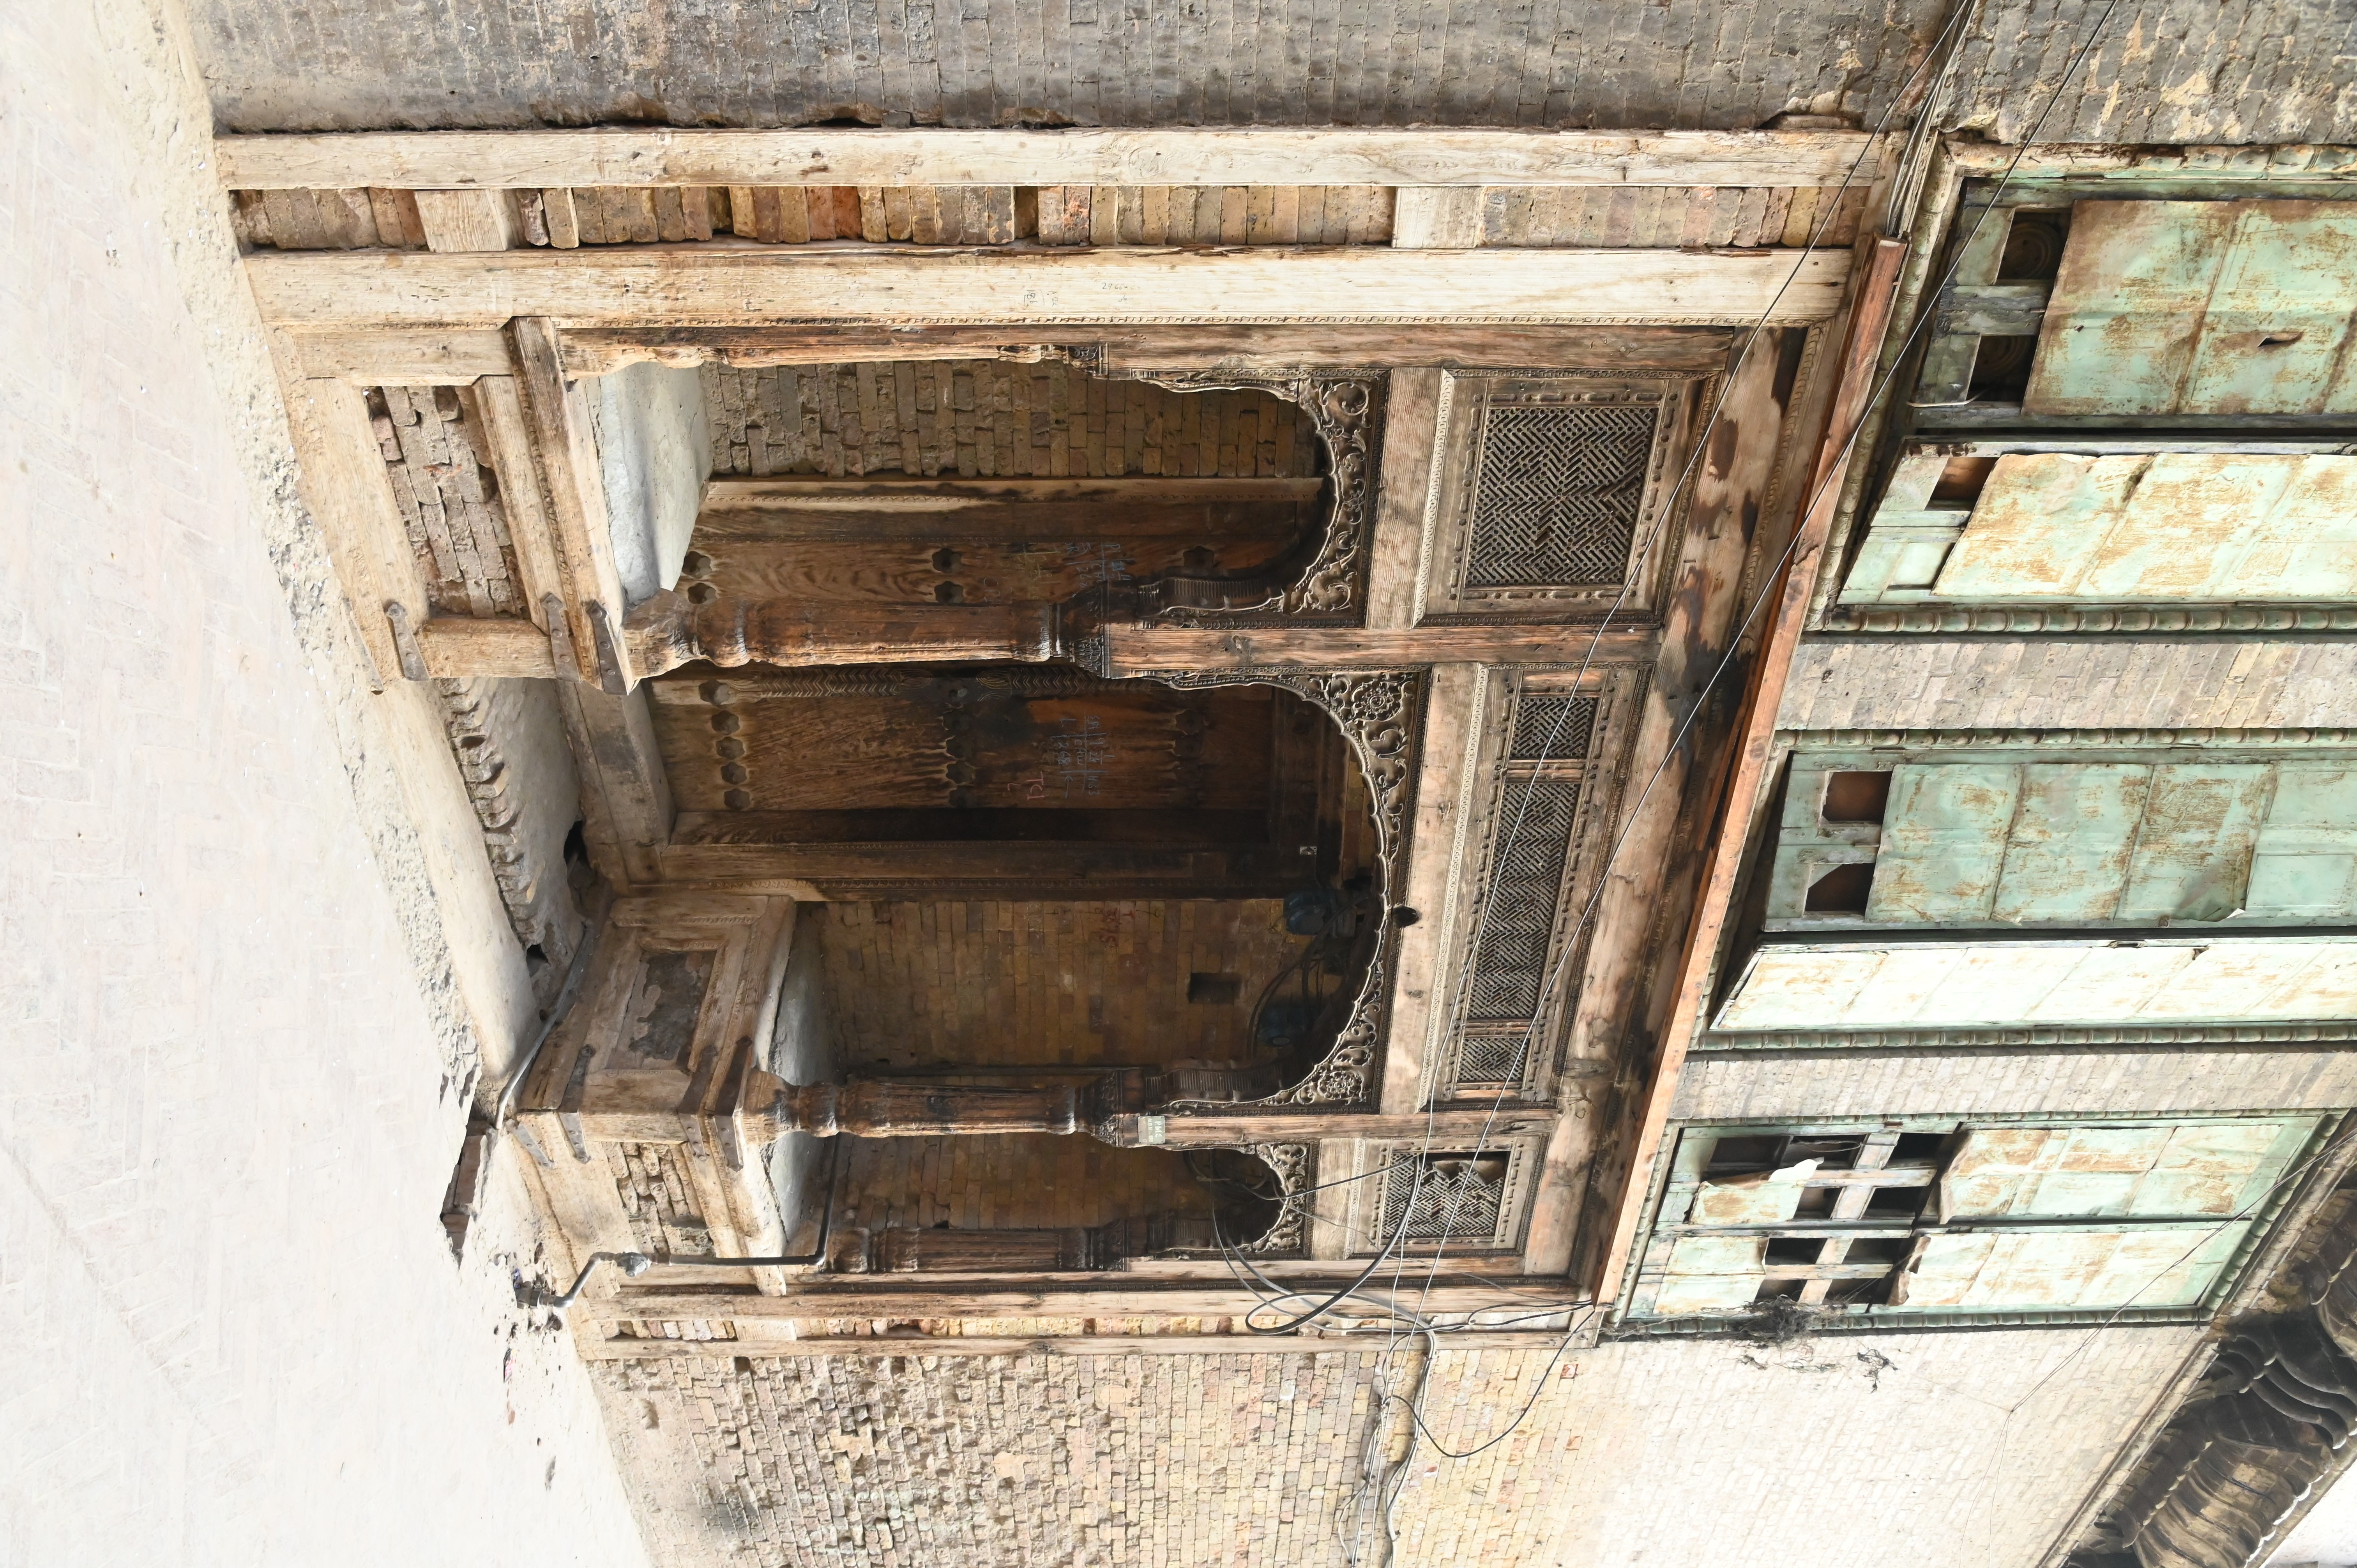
x=2035, y=618
x=2059, y=739
x=1346, y=409
x=2323, y=1031
x=1295, y=1165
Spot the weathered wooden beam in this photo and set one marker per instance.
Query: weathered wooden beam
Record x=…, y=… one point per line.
x=463, y=221
x=858, y=872
x=1256, y=350
x=1094, y=1296
x=936, y=511
x=1746, y=789
x=902, y=1108
x=1147, y=650
x=724, y=285
x=763, y=1346
x=671, y=629
x=1454, y=1129
x=411, y=359
x=641, y=155
x=456, y=646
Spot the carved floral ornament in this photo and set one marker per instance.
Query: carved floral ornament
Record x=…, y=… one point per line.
x=1346, y=409
x=1377, y=710
x=1293, y=1164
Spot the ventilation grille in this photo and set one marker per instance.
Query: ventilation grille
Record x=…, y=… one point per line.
x=1557, y=496
x=1491, y=1061
x=1461, y=1197
x=1549, y=728
x=1518, y=917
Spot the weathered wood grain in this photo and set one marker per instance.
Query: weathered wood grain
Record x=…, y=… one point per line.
x=1339, y=156
x=716, y=285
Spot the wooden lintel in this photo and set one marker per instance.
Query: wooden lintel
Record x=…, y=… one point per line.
x=999, y=511
x=716, y=284
x=991, y=870
x=1457, y=1129
x=773, y=1346
x=642, y=155
x=413, y=359
x=1097, y=1295
x=1133, y=650
x=457, y=646
x=1130, y=350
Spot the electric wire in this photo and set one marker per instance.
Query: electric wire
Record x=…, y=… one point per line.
x=1769, y=583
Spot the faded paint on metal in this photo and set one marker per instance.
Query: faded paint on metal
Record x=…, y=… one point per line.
x=2088, y=842
x=2168, y=527
x=2200, y=308
x=1943, y=837
x=2079, y=982
x=1757, y=1199
x=2067, y=852
x=2193, y=844
x=2304, y=865
x=2214, y=1169
x=2151, y=1266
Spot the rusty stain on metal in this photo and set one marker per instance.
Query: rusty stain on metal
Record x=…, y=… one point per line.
x=2200, y=308
x=2159, y=528
x=2080, y=981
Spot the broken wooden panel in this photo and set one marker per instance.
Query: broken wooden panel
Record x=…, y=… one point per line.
x=2155, y=1266
x=2025, y=984
x=1943, y=842
x=2030, y=1217
x=2200, y=308
x=2068, y=848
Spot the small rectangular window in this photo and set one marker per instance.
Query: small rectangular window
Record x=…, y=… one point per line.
x=1214, y=990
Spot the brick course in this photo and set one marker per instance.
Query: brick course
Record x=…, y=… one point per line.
x=1966, y=1449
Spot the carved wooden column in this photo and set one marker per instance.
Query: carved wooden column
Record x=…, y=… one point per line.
x=671, y=629
x=886, y=1109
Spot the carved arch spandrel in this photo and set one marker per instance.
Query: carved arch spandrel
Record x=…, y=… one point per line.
x=1380, y=714
x=1329, y=579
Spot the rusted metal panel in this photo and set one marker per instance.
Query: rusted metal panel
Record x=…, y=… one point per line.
x=2304, y=865
x=1943, y=841
x=2154, y=1266
x=2215, y=1168
x=2168, y=527
x=2193, y=844
x=2073, y=837
x=2200, y=308
x=1795, y=986
x=2038, y=524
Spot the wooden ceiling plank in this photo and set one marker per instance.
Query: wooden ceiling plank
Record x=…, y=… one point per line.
x=717, y=285
x=651, y=156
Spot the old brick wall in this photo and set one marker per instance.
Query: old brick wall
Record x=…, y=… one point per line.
x=977, y=420
x=1071, y=985
x=1010, y=1183
x=1700, y=63
x=239, y=1025
x=2167, y=70
x=1963, y=1450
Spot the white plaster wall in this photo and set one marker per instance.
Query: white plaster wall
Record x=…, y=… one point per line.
x=249, y=947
